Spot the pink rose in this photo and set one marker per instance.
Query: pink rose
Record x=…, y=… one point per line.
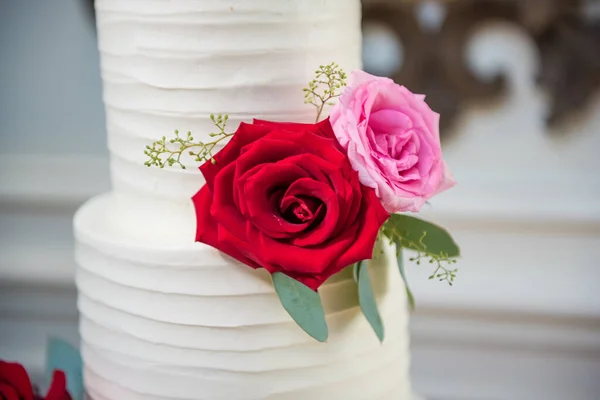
x=392, y=139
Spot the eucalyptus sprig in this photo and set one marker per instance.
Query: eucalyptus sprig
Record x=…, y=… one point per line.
x=324, y=88
x=169, y=151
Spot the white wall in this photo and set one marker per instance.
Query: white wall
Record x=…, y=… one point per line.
x=52, y=144
x=523, y=319
x=50, y=88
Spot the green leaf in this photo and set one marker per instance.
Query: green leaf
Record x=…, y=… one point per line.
x=60, y=355
x=416, y=233
x=303, y=304
x=409, y=295
x=366, y=299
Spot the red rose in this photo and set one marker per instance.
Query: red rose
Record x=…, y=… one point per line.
x=15, y=384
x=284, y=197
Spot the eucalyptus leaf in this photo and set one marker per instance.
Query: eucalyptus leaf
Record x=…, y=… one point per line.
x=60, y=355
x=416, y=233
x=367, y=301
x=303, y=304
x=409, y=295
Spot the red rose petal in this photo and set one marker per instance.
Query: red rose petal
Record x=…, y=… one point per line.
x=15, y=376
x=58, y=387
x=314, y=260
x=352, y=197
x=301, y=209
x=244, y=135
x=206, y=226
x=7, y=392
x=210, y=232
x=311, y=188
x=312, y=282
x=322, y=191
x=237, y=248
x=308, y=143
x=238, y=187
x=263, y=211
x=322, y=128
x=341, y=177
x=373, y=215
x=253, y=160
x=222, y=208
x=265, y=151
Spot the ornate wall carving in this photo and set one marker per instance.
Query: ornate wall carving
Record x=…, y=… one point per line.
x=434, y=61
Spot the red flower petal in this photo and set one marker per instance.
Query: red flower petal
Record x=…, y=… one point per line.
x=322, y=128
x=262, y=207
x=244, y=135
x=7, y=392
x=210, y=232
x=306, y=261
x=272, y=148
x=322, y=191
x=58, y=387
x=373, y=215
x=15, y=376
x=223, y=208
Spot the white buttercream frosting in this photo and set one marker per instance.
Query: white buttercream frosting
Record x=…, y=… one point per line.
x=168, y=65
x=187, y=322
x=163, y=317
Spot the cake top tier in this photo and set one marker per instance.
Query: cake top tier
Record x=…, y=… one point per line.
x=168, y=65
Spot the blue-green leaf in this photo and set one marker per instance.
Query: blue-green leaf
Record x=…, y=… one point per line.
x=366, y=299
x=60, y=355
x=409, y=295
x=303, y=304
x=416, y=233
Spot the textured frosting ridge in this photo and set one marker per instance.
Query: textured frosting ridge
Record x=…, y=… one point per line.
x=163, y=317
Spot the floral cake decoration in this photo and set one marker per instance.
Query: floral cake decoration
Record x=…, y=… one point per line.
x=63, y=376
x=307, y=200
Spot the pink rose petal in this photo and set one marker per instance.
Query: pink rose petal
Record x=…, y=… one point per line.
x=392, y=139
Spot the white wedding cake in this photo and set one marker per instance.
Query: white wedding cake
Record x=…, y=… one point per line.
x=165, y=317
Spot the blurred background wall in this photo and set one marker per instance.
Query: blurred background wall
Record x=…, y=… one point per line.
x=523, y=318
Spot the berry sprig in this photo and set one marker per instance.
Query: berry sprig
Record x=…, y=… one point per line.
x=169, y=152
x=324, y=88
x=441, y=261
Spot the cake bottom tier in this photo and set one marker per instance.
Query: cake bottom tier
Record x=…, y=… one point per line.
x=183, y=321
